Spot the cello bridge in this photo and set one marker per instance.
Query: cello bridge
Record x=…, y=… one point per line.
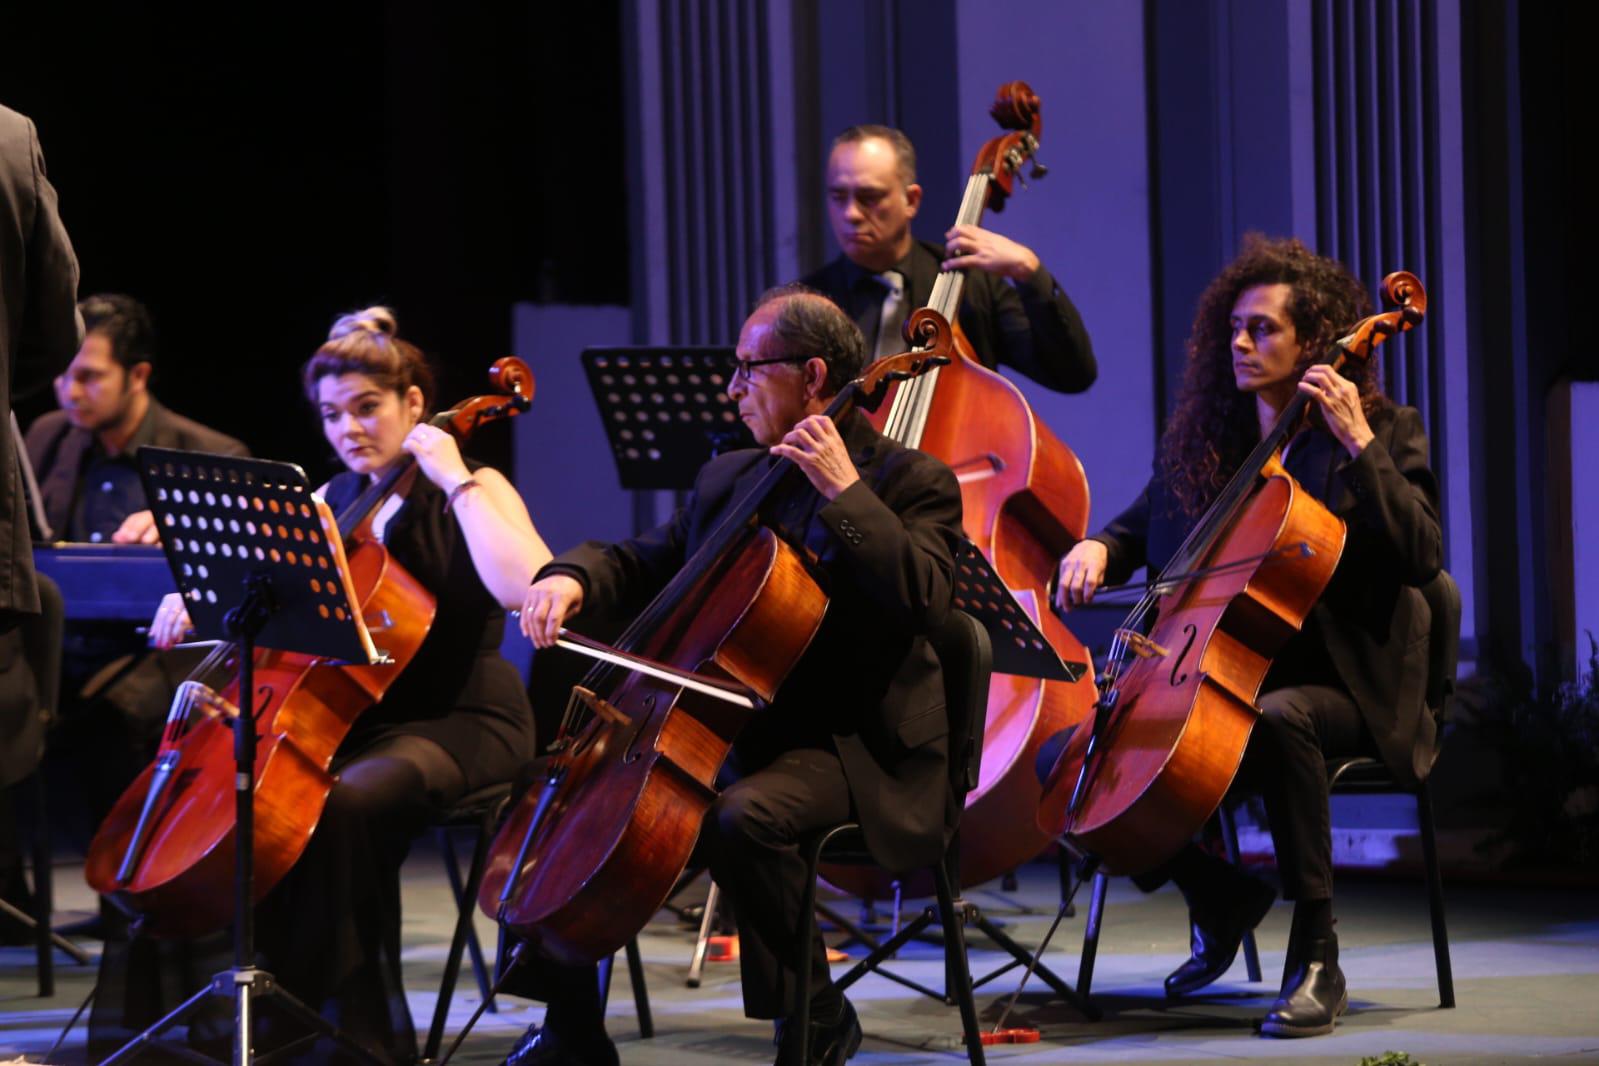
x=601, y=707
x=1141, y=645
x=194, y=695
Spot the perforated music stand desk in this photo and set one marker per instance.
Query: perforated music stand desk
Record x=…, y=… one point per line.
x=666, y=411
x=224, y=519
x=258, y=559
x=1020, y=647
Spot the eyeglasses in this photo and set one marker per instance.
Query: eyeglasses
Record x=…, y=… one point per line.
x=742, y=372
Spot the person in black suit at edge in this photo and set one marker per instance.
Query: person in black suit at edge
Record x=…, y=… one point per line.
x=1012, y=309
x=1352, y=681
x=858, y=731
x=39, y=329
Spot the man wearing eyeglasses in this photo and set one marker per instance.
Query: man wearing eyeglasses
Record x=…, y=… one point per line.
x=858, y=731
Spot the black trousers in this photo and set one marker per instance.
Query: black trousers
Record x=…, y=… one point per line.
x=1285, y=762
x=750, y=841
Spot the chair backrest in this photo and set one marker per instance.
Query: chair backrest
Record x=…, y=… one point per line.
x=967, y=659
x=1443, y=650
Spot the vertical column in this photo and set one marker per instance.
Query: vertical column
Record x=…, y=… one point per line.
x=711, y=123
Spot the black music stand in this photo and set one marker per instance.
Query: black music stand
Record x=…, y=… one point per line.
x=1020, y=647
x=666, y=411
x=230, y=524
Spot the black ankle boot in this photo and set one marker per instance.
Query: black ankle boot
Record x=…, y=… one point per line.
x=1218, y=921
x=1313, y=994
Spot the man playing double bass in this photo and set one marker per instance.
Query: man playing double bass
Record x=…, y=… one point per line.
x=1352, y=681
x=858, y=730
x=1012, y=309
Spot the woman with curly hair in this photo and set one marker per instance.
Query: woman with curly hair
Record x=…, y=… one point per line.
x=1351, y=682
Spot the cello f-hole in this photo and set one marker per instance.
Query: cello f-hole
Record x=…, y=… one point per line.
x=1192, y=632
x=632, y=755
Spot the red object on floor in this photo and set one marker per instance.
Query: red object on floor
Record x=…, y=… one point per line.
x=1009, y=1036
x=722, y=949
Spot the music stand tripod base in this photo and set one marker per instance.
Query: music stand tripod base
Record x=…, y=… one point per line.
x=228, y=524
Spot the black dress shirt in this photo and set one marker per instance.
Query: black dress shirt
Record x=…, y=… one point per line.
x=1031, y=326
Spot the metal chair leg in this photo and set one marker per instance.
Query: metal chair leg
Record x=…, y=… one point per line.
x=641, y=992
x=696, y=964
x=43, y=890
x=1435, y=898
x=1096, y=915
x=958, y=976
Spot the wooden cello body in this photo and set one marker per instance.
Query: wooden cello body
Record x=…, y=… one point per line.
x=1026, y=502
x=587, y=859
x=166, y=851
x=1178, y=702
x=1176, y=756
x=305, y=708
x=641, y=773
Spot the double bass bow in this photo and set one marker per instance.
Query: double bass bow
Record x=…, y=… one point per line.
x=1025, y=500
x=165, y=853
x=1177, y=702
x=584, y=861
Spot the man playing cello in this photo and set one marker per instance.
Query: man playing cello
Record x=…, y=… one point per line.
x=858, y=730
x=1351, y=682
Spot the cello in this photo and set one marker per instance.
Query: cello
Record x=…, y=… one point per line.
x=1177, y=703
x=1025, y=499
x=584, y=861
x=165, y=852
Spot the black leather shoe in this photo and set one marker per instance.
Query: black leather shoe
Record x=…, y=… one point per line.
x=832, y=1043
x=546, y=1047
x=1313, y=996
x=1216, y=932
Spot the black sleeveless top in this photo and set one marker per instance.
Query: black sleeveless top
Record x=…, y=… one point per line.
x=458, y=691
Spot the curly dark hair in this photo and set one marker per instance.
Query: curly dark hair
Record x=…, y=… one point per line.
x=1215, y=425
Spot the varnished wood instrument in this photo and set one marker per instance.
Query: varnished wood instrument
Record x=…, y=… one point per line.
x=1177, y=702
x=165, y=853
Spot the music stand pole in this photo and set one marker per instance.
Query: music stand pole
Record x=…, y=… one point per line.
x=283, y=528
x=244, y=623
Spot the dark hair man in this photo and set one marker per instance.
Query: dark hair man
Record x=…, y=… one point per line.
x=849, y=734
x=84, y=453
x=1012, y=310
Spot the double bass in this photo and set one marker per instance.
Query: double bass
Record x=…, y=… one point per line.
x=165, y=853
x=584, y=861
x=1025, y=500
x=1177, y=702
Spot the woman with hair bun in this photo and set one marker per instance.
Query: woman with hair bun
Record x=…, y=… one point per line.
x=456, y=720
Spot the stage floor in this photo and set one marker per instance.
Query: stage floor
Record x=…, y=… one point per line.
x=1526, y=965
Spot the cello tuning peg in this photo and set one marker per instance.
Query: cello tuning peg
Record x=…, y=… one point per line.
x=1039, y=170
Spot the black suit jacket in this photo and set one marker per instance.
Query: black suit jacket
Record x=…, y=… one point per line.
x=870, y=683
x=58, y=449
x=1373, y=618
x=39, y=331
x=1031, y=327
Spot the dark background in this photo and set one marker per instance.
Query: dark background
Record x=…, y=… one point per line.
x=251, y=173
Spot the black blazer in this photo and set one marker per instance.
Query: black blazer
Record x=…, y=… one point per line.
x=39, y=331
x=1373, y=617
x=869, y=681
x=1032, y=327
